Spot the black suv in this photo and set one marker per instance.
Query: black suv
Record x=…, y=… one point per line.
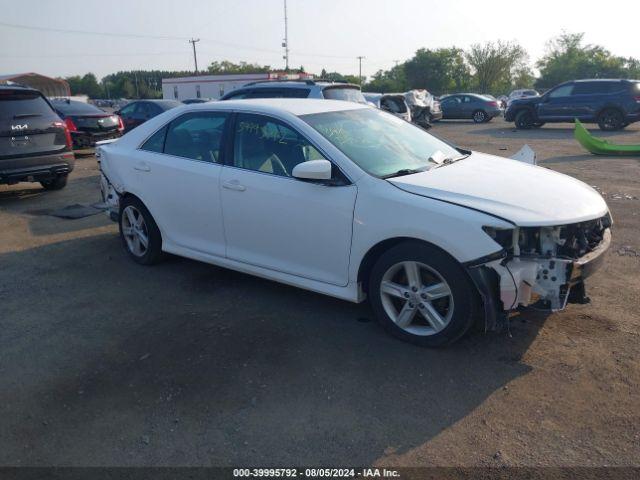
x=612, y=104
x=35, y=145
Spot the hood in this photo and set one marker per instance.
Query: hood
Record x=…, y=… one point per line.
x=524, y=194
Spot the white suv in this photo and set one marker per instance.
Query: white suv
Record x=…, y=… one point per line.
x=350, y=201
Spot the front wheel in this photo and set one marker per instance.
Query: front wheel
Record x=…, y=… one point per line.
x=421, y=295
x=524, y=120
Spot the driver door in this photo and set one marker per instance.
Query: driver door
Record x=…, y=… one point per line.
x=558, y=104
x=275, y=221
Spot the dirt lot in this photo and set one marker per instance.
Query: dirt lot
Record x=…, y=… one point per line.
x=104, y=362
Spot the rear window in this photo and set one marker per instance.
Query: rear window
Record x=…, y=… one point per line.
x=77, y=108
x=348, y=94
x=167, y=104
x=16, y=105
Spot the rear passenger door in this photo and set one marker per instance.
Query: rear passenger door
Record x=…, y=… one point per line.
x=177, y=174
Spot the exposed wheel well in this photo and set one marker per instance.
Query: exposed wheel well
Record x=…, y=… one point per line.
x=610, y=107
x=375, y=252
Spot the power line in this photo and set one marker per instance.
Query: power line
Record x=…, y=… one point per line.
x=162, y=37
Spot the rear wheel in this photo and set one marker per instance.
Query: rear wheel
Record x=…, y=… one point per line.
x=538, y=124
x=139, y=233
x=421, y=295
x=480, y=116
x=611, y=119
x=524, y=120
x=57, y=183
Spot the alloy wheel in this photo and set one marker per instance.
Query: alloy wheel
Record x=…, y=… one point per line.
x=134, y=230
x=479, y=117
x=416, y=298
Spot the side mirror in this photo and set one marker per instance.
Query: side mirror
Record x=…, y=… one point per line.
x=313, y=170
x=117, y=112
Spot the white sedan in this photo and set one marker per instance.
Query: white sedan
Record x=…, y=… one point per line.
x=352, y=202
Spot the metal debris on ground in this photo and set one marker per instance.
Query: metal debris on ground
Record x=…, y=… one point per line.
x=526, y=155
x=627, y=251
x=75, y=211
x=614, y=196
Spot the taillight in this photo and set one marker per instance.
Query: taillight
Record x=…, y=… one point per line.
x=70, y=125
x=637, y=99
x=493, y=104
x=67, y=134
x=120, y=123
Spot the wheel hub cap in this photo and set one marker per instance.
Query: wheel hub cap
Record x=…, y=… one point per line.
x=416, y=298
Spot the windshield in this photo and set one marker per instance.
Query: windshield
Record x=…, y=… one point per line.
x=348, y=94
x=378, y=142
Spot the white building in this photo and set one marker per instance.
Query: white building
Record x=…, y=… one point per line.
x=215, y=86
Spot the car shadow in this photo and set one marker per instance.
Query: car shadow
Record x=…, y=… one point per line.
x=38, y=205
x=184, y=363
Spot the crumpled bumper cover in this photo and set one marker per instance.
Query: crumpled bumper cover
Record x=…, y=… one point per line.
x=541, y=282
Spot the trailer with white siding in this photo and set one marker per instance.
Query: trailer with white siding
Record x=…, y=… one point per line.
x=214, y=86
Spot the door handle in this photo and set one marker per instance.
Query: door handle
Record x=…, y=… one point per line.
x=234, y=185
x=142, y=167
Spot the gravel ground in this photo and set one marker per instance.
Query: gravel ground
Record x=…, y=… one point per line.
x=104, y=362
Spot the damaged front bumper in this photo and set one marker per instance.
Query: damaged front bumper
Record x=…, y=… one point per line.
x=544, y=282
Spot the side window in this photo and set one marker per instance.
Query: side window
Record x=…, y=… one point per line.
x=563, y=91
x=155, y=143
x=239, y=95
x=197, y=136
x=267, y=145
x=128, y=109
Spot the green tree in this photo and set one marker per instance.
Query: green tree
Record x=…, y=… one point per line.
x=226, y=66
x=496, y=64
x=439, y=71
x=393, y=80
x=568, y=59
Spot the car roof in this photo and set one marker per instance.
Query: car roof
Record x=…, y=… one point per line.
x=295, y=106
x=18, y=87
x=297, y=84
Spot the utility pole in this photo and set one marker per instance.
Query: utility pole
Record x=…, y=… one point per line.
x=285, y=44
x=360, y=68
x=193, y=42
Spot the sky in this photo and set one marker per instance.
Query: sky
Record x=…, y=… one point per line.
x=73, y=37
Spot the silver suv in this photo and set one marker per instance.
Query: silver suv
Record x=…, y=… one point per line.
x=298, y=89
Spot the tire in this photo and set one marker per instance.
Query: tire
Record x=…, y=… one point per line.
x=436, y=309
x=538, y=124
x=57, y=183
x=138, y=227
x=610, y=119
x=480, y=116
x=524, y=120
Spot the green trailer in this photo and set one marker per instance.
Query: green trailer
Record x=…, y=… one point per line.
x=602, y=147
